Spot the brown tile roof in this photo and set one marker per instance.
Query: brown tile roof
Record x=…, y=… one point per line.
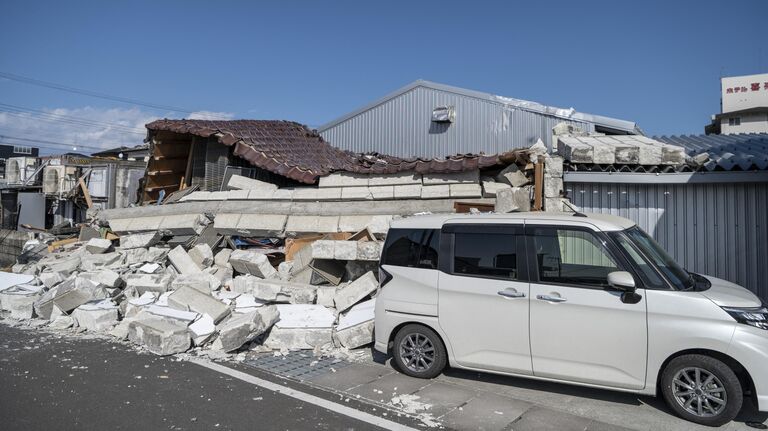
x=292, y=150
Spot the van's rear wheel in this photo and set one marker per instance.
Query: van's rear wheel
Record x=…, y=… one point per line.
x=702, y=389
x=419, y=352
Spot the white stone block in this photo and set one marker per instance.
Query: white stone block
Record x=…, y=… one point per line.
x=411, y=191
x=297, y=224
x=356, y=194
x=202, y=255
x=465, y=191
x=139, y=240
x=316, y=194
x=345, y=250
x=343, y=179
x=159, y=336
x=252, y=262
x=404, y=178
x=182, y=261
x=490, y=188
x=188, y=299
x=356, y=291
x=382, y=192
x=452, y=178
x=436, y=192
x=515, y=199
x=98, y=245
x=353, y=223
x=239, y=182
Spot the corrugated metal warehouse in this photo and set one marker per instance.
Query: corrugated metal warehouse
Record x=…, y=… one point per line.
x=425, y=119
x=713, y=221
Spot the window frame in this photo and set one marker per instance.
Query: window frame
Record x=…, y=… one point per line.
x=448, y=242
x=610, y=248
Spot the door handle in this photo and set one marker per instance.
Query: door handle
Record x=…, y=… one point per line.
x=511, y=293
x=551, y=298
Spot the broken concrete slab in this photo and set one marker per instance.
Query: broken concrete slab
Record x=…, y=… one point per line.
x=140, y=240
x=183, y=224
x=324, y=295
x=513, y=199
x=62, y=322
x=202, y=255
x=95, y=262
x=72, y=295
x=360, y=313
x=513, y=176
x=356, y=291
x=188, y=298
x=412, y=191
x=142, y=283
x=173, y=315
x=258, y=287
x=18, y=305
x=98, y=245
x=159, y=336
x=368, y=250
x=202, y=330
x=491, y=188
x=436, y=192
x=50, y=279
x=379, y=224
x=9, y=279
x=301, y=327
x=65, y=264
x=97, y=316
x=104, y=277
x=222, y=257
x=356, y=193
x=254, y=263
x=299, y=338
x=182, y=261
x=458, y=191
x=261, y=225
x=239, y=182
x=355, y=336
x=343, y=179
x=241, y=328
x=451, y=178
x=204, y=282
x=298, y=224
x=553, y=187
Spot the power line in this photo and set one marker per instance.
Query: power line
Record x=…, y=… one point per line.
x=60, y=87
x=73, y=121
x=43, y=141
x=52, y=115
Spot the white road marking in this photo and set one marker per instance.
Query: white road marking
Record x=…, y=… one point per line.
x=305, y=397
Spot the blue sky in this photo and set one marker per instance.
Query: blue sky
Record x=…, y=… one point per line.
x=657, y=63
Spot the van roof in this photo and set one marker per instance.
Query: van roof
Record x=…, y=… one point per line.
x=603, y=222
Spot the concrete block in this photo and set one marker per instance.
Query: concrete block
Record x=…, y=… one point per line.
x=183, y=224
x=104, y=278
x=324, y=295
x=624, y=153
x=410, y=191
x=202, y=255
x=120, y=225
x=297, y=224
x=134, y=256
x=554, y=204
x=553, y=166
x=465, y=191
x=602, y=152
x=553, y=187
x=65, y=265
x=159, y=336
x=237, y=195
x=323, y=249
x=265, y=290
x=142, y=283
x=204, y=282
x=263, y=225
x=143, y=224
x=355, y=336
x=299, y=338
x=18, y=305
x=515, y=199
x=513, y=176
x=95, y=262
x=575, y=151
x=402, y=178
x=343, y=179
x=139, y=240
x=316, y=194
x=222, y=257
x=283, y=195
x=202, y=330
x=356, y=194
x=98, y=245
x=196, y=196
x=50, y=279
x=490, y=188
x=72, y=295
x=436, y=192
x=368, y=250
x=252, y=262
x=98, y=316
x=163, y=311
x=261, y=194
x=379, y=224
x=226, y=224
x=353, y=223
x=452, y=178
x=62, y=322
x=187, y=298
x=241, y=328
x=239, y=182
x=382, y=192
x=182, y=261
x=356, y=291
x=345, y=250
x=672, y=155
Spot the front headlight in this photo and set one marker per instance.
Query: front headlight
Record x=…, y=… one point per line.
x=757, y=317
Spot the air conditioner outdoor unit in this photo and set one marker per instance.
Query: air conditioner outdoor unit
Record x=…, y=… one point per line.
x=18, y=169
x=58, y=179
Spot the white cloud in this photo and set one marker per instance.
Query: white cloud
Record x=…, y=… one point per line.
x=107, y=128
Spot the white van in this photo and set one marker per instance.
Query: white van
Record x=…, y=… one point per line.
x=574, y=298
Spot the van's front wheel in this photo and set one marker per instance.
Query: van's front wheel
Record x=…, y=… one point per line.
x=702, y=389
x=419, y=352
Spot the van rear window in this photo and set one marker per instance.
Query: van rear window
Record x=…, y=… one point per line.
x=413, y=248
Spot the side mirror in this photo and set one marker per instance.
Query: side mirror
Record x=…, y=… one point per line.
x=621, y=280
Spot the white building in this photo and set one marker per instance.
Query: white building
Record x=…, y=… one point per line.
x=744, y=105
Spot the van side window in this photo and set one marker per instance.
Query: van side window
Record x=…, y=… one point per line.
x=573, y=257
x=413, y=248
x=485, y=255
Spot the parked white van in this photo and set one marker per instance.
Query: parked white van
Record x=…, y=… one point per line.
x=574, y=298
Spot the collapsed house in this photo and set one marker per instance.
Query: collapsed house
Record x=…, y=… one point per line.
x=259, y=235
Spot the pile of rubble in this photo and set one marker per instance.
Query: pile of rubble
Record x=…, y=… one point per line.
x=306, y=293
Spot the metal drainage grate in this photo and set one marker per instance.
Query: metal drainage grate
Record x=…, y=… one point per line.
x=296, y=365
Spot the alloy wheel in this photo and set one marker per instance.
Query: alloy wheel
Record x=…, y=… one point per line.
x=417, y=352
x=699, y=392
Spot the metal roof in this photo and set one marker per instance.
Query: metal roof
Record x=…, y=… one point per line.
x=738, y=152
x=566, y=114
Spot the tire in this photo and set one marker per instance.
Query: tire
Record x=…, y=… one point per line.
x=419, y=352
x=713, y=404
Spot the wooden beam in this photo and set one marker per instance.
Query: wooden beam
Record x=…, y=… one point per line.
x=538, y=184
x=87, y=195
x=60, y=243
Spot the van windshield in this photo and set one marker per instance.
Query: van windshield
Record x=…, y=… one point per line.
x=672, y=271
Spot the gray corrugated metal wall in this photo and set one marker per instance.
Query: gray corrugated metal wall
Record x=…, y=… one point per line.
x=402, y=127
x=715, y=229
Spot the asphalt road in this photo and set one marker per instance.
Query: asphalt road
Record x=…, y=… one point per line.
x=52, y=382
